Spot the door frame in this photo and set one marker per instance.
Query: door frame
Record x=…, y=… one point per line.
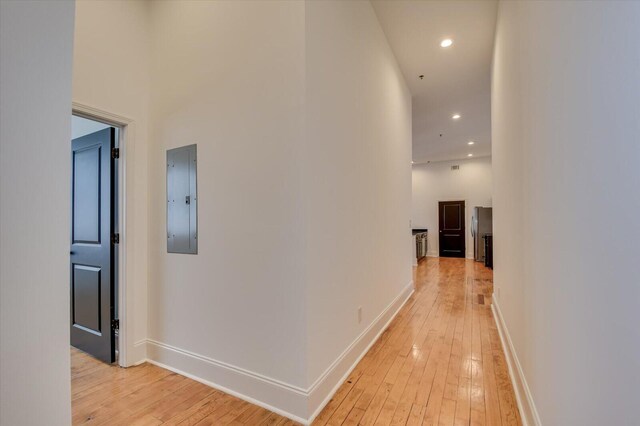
x=466, y=228
x=126, y=132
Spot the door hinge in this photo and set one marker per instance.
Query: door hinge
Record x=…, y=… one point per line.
x=115, y=238
x=115, y=153
x=115, y=324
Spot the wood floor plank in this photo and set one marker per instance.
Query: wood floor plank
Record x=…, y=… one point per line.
x=165, y=408
x=373, y=410
x=463, y=401
x=477, y=383
x=337, y=399
x=491, y=399
x=203, y=406
x=436, y=395
x=210, y=407
x=416, y=415
x=345, y=407
x=390, y=405
x=447, y=412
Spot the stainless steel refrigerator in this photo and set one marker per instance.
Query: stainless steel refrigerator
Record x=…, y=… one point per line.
x=480, y=225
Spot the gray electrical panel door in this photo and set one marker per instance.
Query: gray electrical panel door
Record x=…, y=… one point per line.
x=182, y=201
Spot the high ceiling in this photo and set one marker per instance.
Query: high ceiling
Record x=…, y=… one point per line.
x=456, y=79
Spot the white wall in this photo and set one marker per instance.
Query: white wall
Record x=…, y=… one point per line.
x=434, y=182
x=357, y=178
x=111, y=73
x=229, y=77
x=36, y=45
x=565, y=110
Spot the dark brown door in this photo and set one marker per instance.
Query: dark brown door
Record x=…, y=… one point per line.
x=451, y=232
x=92, y=289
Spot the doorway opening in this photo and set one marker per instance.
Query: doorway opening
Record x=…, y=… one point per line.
x=95, y=246
x=452, y=236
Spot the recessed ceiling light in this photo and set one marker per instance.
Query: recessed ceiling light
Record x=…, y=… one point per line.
x=469, y=155
x=446, y=42
x=470, y=143
x=455, y=116
x=412, y=162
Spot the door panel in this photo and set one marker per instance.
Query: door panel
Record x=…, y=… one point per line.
x=85, y=285
x=92, y=289
x=452, y=228
x=452, y=217
x=86, y=200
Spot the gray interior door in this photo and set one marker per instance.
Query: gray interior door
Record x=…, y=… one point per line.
x=92, y=289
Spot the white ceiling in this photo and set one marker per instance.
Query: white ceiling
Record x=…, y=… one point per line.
x=456, y=79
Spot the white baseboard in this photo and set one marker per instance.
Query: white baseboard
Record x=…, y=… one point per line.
x=287, y=400
x=229, y=391
x=138, y=353
x=299, y=404
x=524, y=398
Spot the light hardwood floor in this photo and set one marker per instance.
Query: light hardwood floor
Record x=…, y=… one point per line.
x=439, y=363
x=147, y=395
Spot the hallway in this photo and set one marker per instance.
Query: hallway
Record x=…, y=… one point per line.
x=439, y=363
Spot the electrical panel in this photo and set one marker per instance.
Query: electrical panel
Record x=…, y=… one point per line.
x=182, y=200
